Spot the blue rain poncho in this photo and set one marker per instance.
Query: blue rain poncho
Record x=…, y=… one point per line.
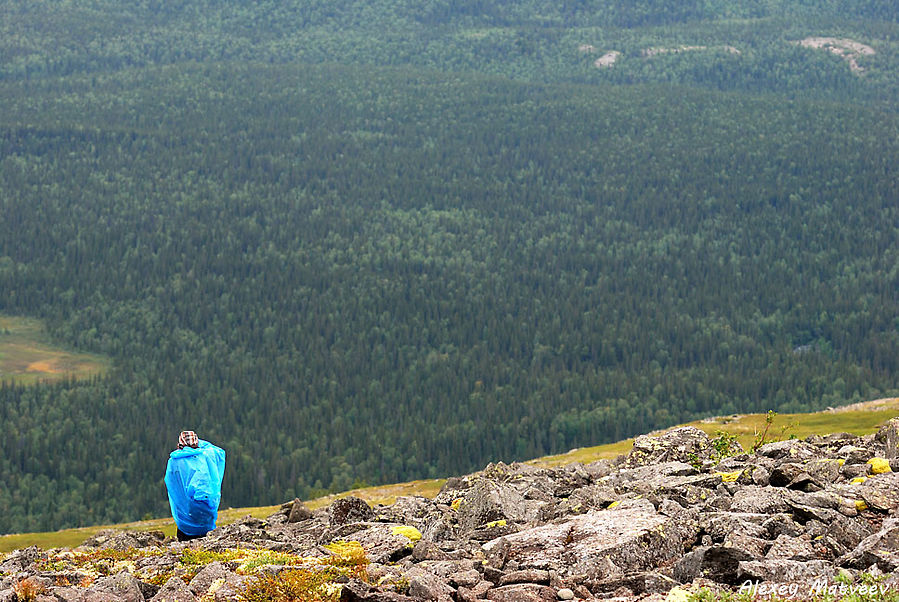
x=193, y=479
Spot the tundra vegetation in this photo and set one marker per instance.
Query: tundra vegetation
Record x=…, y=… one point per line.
x=365, y=242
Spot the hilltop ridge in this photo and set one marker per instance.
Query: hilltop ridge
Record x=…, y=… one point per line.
x=681, y=514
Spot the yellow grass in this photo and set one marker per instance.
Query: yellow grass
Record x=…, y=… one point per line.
x=27, y=356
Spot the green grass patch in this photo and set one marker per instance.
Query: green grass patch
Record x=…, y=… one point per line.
x=862, y=419
x=27, y=355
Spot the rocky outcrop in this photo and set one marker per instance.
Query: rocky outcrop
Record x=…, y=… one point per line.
x=678, y=511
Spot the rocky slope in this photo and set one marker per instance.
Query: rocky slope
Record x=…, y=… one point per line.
x=680, y=512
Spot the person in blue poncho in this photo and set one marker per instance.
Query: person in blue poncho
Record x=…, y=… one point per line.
x=193, y=479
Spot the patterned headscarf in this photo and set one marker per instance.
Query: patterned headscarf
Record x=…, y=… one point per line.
x=188, y=439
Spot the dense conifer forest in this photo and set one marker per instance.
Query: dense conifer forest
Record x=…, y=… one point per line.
x=373, y=241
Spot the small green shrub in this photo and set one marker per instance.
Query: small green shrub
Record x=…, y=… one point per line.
x=291, y=586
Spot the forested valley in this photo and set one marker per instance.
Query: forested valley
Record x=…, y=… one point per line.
x=375, y=241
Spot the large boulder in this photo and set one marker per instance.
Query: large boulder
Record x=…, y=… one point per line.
x=881, y=492
x=686, y=444
x=783, y=571
x=349, y=510
x=598, y=544
x=489, y=502
x=888, y=436
x=718, y=563
x=880, y=549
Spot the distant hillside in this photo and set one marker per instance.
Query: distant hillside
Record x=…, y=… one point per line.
x=360, y=243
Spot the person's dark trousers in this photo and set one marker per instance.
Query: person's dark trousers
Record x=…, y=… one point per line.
x=184, y=536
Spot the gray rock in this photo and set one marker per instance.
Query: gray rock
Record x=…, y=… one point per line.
x=791, y=548
x=684, y=444
x=597, y=543
x=783, y=571
x=359, y=591
x=888, y=436
x=759, y=500
x=298, y=512
x=122, y=587
x=565, y=594
x=525, y=576
x=425, y=585
x=523, y=592
x=382, y=542
x=349, y=510
x=881, y=492
x=880, y=549
x=781, y=524
x=209, y=574
x=174, y=590
x=790, y=449
x=718, y=563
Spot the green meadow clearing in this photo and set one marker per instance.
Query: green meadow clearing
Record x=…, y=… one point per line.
x=27, y=355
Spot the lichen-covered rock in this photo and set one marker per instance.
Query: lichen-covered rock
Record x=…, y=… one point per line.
x=880, y=549
x=881, y=492
x=783, y=571
x=124, y=540
x=597, y=543
x=425, y=585
x=359, y=591
x=718, y=563
x=759, y=500
x=685, y=444
x=122, y=587
x=489, y=501
x=888, y=436
x=382, y=542
x=22, y=559
x=792, y=548
x=721, y=524
x=174, y=590
x=522, y=593
x=349, y=510
x=790, y=450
